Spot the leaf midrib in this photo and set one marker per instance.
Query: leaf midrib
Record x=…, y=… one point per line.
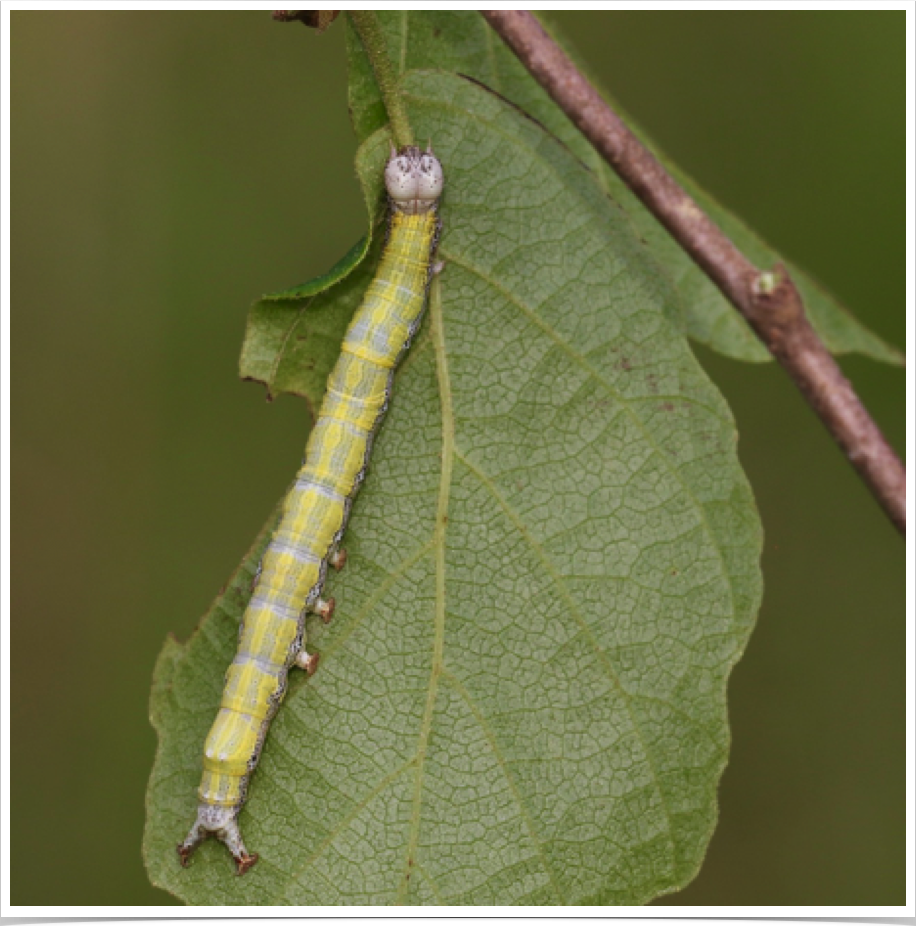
x=437, y=336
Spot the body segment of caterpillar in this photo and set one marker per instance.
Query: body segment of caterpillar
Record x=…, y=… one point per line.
x=315, y=512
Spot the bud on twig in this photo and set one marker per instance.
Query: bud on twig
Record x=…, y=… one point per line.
x=316, y=19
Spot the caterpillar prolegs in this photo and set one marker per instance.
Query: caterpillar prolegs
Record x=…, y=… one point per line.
x=307, y=540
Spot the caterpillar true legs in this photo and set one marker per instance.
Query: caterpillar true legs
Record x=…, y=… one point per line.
x=293, y=570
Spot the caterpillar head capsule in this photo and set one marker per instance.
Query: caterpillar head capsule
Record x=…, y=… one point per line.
x=414, y=180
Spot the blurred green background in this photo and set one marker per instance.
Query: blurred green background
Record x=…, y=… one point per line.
x=170, y=167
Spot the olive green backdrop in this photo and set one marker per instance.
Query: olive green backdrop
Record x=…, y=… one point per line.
x=170, y=167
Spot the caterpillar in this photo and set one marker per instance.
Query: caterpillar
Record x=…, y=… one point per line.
x=292, y=572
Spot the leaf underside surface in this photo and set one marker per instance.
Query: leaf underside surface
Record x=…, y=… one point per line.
x=553, y=563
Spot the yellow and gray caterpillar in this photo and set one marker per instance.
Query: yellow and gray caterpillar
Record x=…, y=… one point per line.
x=307, y=539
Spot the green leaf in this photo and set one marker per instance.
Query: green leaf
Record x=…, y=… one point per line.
x=341, y=269
x=462, y=42
x=553, y=567
x=292, y=337
x=291, y=345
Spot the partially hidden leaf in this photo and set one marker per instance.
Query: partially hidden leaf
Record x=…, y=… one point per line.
x=292, y=343
x=553, y=567
x=463, y=43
